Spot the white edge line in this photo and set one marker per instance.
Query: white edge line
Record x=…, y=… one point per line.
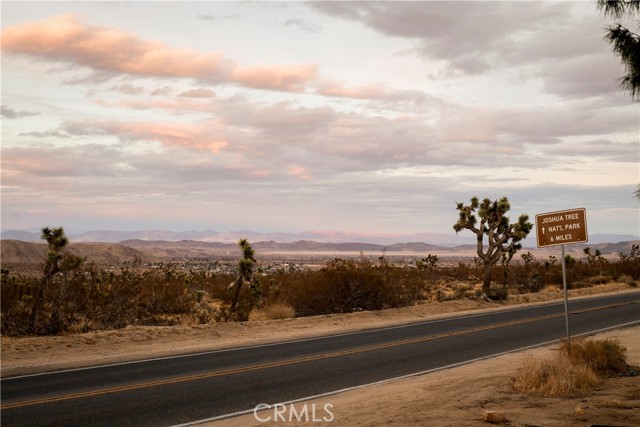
x=415, y=374
x=367, y=331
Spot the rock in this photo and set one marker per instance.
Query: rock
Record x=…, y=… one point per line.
x=494, y=417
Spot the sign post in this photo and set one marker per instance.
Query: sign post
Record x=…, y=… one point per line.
x=560, y=228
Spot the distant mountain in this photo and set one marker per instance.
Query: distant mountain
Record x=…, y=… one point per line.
x=20, y=252
x=14, y=252
x=114, y=236
x=438, y=239
x=24, y=236
x=611, y=238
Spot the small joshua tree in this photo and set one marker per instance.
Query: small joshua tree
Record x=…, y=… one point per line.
x=245, y=273
x=503, y=238
x=57, y=241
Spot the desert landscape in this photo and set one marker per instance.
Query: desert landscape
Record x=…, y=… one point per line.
x=461, y=395
x=381, y=188
x=455, y=396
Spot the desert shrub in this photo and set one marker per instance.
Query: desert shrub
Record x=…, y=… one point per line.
x=575, y=369
x=84, y=298
x=535, y=282
x=343, y=286
x=462, y=271
x=598, y=280
x=553, y=377
x=604, y=357
x=628, y=280
x=498, y=294
x=247, y=301
x=629, y=264
x=17, y=294
x=578, y=284
x=463, y=291
x=278, y=311
x=203, y=313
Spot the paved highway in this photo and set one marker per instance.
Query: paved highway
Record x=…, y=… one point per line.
x=182, y=389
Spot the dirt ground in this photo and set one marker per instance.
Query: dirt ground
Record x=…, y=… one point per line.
x=452, y=397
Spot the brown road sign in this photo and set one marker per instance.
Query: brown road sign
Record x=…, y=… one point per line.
x=562, y=227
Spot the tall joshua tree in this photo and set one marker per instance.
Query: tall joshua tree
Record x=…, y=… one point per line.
x=625, y=43
x=245, y=271
x=503, y=238
x=57, y=241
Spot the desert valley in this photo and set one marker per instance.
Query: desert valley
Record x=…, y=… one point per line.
x=427, y=397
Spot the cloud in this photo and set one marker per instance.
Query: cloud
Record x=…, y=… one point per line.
x=303, y=25
x=46, y=134
x=65, y=38
x=162, y=91
x=128, y=89
x=299, y=172
x=169, y=134
x=12, y=114
x=289, y=78
x=47, y=161
x=559, y=43
x=473, y=36
x=379, y=92
x=198, y=93
x=584, y=77
x=111, y=51
x=210, y=17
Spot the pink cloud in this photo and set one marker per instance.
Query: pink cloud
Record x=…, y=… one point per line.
x=198, y=93
x=371, y=91
x=261, y=173
x=163, y=91
x=299, y=172
x=194, y=136
x=104, y=49
x=64, y=37
x=178, y=134
x=277, y=77
x=362, y=92
x=182, y=105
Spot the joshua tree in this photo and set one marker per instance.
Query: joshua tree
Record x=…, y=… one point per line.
x=507, y=256
x=625, y=43
x=57, y=241
x=503, y=238
x=245, y=272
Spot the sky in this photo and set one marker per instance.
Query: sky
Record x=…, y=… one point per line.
x=364, y=117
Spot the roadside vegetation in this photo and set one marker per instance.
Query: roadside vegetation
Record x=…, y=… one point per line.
x=74, y=296
x=575, y=370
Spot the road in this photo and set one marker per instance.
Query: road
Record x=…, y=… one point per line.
x=182, y=389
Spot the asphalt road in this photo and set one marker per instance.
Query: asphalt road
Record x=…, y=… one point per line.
x=176, y=390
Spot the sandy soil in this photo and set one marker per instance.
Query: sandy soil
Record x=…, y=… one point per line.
x=452, y=397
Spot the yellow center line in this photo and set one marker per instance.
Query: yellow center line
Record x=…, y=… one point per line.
x=287, y=362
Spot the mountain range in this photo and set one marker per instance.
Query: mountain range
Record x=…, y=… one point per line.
x=114, y=236
x=440, y=239
x=16, y=253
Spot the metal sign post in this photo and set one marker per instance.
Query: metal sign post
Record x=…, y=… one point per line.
x=560, y=228
x=566, y=299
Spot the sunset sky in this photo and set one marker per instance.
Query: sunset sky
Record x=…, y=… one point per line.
x=294, y=116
